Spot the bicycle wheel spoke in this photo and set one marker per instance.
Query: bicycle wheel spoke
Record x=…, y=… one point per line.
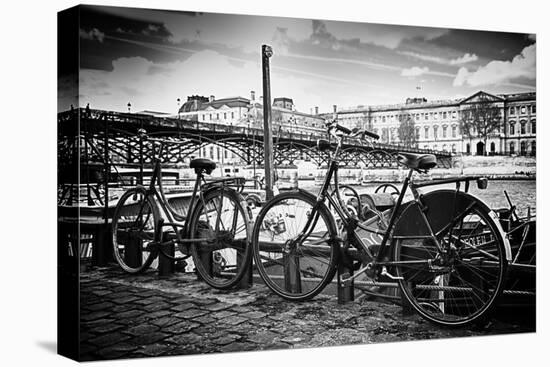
x=222, y=224
x=462, y=281
x=134, y=228
x=292, y=246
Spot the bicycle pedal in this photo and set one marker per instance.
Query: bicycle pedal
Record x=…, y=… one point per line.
x=387, y=274
x=345, y=279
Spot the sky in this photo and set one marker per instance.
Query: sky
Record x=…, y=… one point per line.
x=150, y=58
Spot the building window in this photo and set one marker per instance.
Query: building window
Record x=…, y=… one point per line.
x=383, y=118
x=426, y=116
x=512, y=110
x=444, y=131
x=203, y=117
x=217, y=116
x=493, y=148
x=385, y=134
x=444, y=147
x=444, y=115
x=512, y=147
x=533, y=148
x=426, y=132
x=454, y=148
x=522, y=148
x=435, y=132
x=522, y=109
x=534, y=109
x=453, y=131
x=225, y=153
x=435, y=116
x=522, y=127
x=512, y=128
x=232, y=115
x=454, y=114
x=210, y=117
x=467, y=148
x=225, y=115
x=533, y=126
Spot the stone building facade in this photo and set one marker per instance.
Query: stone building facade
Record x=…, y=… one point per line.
x=437, y=124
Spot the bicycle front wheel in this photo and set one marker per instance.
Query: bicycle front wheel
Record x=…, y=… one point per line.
x=294, y=248
x=457, y=282
x=222, y=223
x=134, y=227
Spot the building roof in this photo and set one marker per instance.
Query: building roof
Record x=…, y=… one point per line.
x=229, y=101
x=436, y=103
x=193, y=103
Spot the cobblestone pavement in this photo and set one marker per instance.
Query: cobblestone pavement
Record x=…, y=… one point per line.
x=124, y=316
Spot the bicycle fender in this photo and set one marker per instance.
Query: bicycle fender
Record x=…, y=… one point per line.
x=439, y=214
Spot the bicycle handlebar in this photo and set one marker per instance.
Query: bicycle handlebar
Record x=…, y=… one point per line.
x=371, y=134
x=343, y=129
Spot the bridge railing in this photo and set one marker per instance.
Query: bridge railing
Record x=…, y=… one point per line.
x=283, y=132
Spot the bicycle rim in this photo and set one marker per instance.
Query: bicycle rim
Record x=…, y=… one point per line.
x=460, y=285
x=134, y=226
x=224, y=254
x=293, y=268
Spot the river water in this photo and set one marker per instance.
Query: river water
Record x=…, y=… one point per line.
x=522, y=193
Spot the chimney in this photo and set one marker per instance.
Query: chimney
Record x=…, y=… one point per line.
x=316, y=110
x=212, y=98
x=252, y=95
x=334, y=108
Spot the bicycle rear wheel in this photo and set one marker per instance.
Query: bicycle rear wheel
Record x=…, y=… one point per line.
x=296, y=260
x=222, y=222
x=460, y=283
x=134, y=227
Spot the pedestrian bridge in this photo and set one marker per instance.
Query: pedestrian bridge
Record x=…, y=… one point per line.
x=116, y=133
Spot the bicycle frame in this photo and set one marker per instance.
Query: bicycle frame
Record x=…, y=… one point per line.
x=200, y=187
x=351, y=222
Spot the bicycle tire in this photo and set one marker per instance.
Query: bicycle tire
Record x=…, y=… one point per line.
x=128, y=231
x=454, y=292
x=225, y=266
x=284, y=277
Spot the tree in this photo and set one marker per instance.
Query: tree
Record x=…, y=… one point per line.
x=407, y=131
x=481, y=119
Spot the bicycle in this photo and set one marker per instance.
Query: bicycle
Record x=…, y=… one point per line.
x=445, y=249
x=214, y=230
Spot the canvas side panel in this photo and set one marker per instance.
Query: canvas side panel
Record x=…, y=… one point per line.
x=67, y=179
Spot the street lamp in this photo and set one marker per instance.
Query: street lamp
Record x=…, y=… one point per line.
x=179, y=100
x=129, y=107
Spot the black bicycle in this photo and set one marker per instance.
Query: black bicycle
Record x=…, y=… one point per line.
x=214, y=227
x=445, y=248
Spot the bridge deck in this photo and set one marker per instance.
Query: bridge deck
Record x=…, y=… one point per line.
x=246, y=142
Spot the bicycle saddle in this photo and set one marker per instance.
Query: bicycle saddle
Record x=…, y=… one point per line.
x=417, y=161
x=203, y=164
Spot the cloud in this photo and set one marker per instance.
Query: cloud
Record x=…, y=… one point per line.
x=467, y=57
x=94, y=34
x=385, y=35
x=415, y=71
x=156, y=86
x=496, y=71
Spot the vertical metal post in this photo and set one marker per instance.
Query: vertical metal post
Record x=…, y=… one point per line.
x=267, y=52
x=102, y=251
